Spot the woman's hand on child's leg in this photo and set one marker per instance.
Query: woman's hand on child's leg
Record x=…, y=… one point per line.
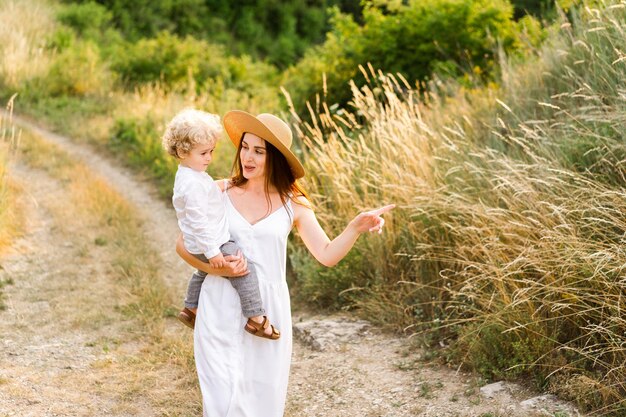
x=235, y=266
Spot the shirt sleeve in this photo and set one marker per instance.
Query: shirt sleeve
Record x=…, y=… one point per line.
x=202, y=225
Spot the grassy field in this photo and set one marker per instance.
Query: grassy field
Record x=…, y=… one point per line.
x=507, y=245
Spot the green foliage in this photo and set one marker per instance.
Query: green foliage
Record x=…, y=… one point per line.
x=497, y=353
x=169, y=59
x=176, y=62
x=536, y=8
x=279, y=32
x=86, y=19
x=90, y=21
x=145, y=18
x=414, y=40
x=140, y=144
x=531, y=33
x=60, y=39
x=75, y=71
x=322, y=286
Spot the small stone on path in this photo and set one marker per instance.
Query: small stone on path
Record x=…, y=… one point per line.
x=491, y=390
x=323, y=334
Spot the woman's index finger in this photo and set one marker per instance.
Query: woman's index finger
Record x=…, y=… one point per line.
x=383, y=210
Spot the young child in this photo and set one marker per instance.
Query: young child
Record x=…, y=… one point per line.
x=190, y=137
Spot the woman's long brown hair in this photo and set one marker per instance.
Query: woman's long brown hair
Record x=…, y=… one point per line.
x=277, y=174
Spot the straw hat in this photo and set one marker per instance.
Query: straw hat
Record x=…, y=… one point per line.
x=267, y=127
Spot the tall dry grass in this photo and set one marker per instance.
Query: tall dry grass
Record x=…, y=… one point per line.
x=508, y=243
x=10, y=218
x=24, y=30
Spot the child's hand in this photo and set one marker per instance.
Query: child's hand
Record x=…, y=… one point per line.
x=217, y=261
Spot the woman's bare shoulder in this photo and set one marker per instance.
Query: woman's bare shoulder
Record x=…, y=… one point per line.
x=301, y=200
x=301, y=205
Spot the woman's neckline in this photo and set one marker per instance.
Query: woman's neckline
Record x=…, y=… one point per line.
x=252, y=224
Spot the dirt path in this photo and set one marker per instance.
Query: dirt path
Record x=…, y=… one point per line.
x=57, y=356
x=54, y=346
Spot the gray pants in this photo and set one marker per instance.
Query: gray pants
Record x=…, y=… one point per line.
x=247, y=286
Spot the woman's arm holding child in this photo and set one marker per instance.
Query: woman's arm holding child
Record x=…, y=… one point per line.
x=235, y=266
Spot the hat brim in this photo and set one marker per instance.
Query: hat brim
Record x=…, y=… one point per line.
x=237, y=122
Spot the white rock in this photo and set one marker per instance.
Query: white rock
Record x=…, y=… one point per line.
x=536, y=401
x=323, y=334
x=490, y=390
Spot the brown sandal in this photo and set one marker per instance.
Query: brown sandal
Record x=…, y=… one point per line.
x=187, y=317
x=258, y=329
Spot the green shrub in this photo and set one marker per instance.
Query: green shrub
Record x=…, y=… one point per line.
x=139, y=141
x=324, y=287
x=145, y=18
x=88, y=19
x=61, y=39
x=279, y=32
x=170, y=60
x=413, y=40
x=498, y=353
x=177, y=62
x=75, y=71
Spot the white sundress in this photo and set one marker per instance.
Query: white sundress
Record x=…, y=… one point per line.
x=242, y=375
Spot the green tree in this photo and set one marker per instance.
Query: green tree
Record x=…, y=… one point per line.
x=538, y=8
x=414, y=39
x=175, y=62
x=146, y=18
x=278, y=31
x=88, y=21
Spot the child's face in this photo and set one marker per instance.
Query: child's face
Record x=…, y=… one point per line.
x=199, y=157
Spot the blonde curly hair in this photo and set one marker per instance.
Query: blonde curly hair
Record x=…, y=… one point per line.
x=190, y=127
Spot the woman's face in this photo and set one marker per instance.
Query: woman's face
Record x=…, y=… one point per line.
x=253, y=155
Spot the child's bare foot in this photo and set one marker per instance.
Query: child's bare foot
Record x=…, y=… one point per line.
x=260, y=326
x=188, y=316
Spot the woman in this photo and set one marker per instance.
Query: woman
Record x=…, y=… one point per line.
x=240, y=375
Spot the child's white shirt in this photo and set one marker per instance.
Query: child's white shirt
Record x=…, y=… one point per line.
x=199, y=206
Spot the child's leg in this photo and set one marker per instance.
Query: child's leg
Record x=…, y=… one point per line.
x=194, y=286
x=188, y=314
x=246, y=286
